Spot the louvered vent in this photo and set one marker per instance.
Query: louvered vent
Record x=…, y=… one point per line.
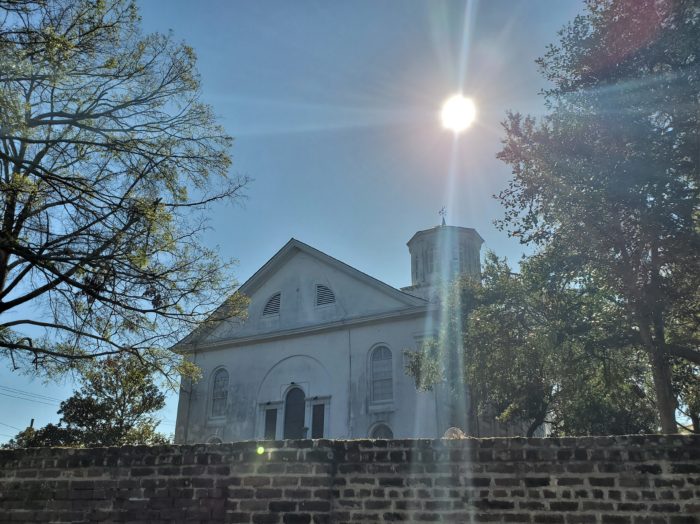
x=324, y=296
x=273, y=305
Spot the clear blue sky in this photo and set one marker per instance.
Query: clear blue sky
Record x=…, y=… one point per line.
x=334, y=109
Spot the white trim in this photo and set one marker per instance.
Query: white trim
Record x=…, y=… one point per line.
x=308, y=415
x=250, y=285
x=385, y=404
x=305, y=330
x=210, y=395
x=260, y=426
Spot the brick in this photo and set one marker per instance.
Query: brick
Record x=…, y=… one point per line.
x=282, y=506
x=268, y=493
x=296, y=518
x=563, y=506
x=685, y=468
x=394, y=517
x=684, y=519
x=602, y=481
x=548, y=518
x=569, y=481
x=516, y=517
x=314, y=505
x=580, y=519
x=616, y=519
x=652, y=469
x=377, y=504
x=391, y=481
x=257, y=481
x=240, y=493
x=628, y=480
x=531, y=482
x=266, y=518
x=666, y=508
x=484, y=504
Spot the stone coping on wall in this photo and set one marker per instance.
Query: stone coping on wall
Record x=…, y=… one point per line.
x=604, y=480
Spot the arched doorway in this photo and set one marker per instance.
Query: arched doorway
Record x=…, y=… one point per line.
x=294, y=414
x=382, y=431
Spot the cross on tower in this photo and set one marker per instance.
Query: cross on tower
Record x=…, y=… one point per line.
x=442, y=213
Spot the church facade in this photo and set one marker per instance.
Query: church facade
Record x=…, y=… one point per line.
x=321, y=352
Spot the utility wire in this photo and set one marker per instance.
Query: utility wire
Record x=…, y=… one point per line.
x=29, y=399
x=28, y=393
x=13, y=427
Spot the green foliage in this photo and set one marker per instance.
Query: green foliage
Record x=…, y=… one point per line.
x=536, y=349
x=686, y=382
x=609, y=178
x=108, y=163
x=114, y=407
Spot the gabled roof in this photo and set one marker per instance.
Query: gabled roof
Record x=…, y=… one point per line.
x=278, y=259
x=250, y=285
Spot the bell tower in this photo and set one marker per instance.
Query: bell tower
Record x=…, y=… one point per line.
x=440, y=254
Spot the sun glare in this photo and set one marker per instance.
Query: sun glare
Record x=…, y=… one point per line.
x=458, y=113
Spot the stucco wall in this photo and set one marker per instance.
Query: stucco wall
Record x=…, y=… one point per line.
x=332, y=363
x=606, y=480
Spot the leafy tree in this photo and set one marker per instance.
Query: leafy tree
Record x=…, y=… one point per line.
x=107, y=160
x=609, y=178
x=114, y=407
x=686, y=382
x=536, y=349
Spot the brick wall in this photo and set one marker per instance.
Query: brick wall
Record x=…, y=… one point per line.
x=605, y=480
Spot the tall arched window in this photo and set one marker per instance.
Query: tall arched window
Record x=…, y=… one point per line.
x=219, y=393
x=294, y=414
x=380, y=370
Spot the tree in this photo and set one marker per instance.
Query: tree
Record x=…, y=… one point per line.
x=107, y=162
x=538, y=350
x=609, y=178
x=113, y=407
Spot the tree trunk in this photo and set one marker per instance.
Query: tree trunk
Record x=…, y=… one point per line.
x=534, y=425
x=661, y=372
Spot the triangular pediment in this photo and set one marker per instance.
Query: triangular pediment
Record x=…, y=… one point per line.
x=301, y=287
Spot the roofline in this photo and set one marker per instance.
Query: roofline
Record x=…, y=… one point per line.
x=469, y=230
x=304, y=330
x=249, y=284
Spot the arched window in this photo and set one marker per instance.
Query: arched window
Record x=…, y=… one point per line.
x=382, y=431
x=324, y=295
x=294, y=414
x=219, y=393
x=381, y=372
x=273, y=305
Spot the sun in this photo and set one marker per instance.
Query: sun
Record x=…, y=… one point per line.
x=458, y=113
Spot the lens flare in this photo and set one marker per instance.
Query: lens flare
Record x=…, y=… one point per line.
x=458, y=113
x=260, y=450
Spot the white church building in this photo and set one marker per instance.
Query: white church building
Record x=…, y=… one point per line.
x=321, y=352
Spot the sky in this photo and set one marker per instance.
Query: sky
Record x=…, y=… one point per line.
x=334, y=110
